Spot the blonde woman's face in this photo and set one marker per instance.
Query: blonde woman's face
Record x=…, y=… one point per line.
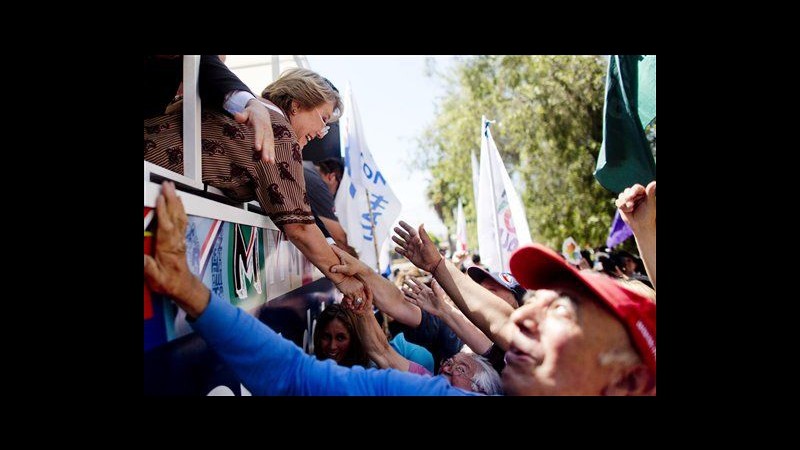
x=311, y=123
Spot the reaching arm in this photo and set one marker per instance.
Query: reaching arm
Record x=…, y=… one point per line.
x=376, y=344
x=489, y=312
x=168, y=271
x=436, y=302
x=264, y=362
x=337, y=232
x=256, y=115
x=268, y=364
x=637, y=206
x=310, y=241
x=387, y=296
x=486, y=310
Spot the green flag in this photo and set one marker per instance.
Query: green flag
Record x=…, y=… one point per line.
x=625, y=157
x=647, y=89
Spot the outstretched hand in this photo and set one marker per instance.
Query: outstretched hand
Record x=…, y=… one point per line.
x=637, y=205
x=356, y=294
x=359, y=310
x=256, y=115
x=168, y=272
x=350, y=265
x=417, y=247
x=433, y=301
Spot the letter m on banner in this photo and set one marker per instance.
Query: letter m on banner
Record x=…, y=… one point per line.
x=246, y=264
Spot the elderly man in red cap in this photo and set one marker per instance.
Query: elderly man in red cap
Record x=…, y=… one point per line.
x=578, y=333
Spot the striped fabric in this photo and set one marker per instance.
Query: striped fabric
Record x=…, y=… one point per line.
x=231, y=164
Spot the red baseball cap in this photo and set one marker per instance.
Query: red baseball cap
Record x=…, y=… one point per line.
x=538, y=267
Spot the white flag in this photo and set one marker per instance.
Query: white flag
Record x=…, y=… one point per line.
x=502, y=225
x=476, y=177
x=461, y=229
x=362, y=175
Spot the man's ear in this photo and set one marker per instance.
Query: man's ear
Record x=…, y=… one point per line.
x=632, y=380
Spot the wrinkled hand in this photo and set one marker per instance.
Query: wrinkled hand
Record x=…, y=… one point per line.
x=168, y=272
x=354, y=290
x=433, y=301
x=637, y=205
x=256, y=115
x=417, y=247
x=349, y=265
x=359, y=311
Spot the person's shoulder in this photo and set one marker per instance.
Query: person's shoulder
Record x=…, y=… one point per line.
x=312, y=176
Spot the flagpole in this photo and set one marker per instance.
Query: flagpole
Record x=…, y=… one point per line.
x=374, y=237
x=494, y=205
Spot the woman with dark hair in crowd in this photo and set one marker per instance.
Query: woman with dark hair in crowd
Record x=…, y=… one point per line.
x=336, y=338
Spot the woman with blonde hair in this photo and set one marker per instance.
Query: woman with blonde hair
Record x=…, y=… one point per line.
x=301, y=103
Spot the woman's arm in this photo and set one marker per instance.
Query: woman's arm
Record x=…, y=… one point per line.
x=387, y=296
x=309, y=240
x=435, y=301
x=637, y=206
x=486, y=310
x=375, y=342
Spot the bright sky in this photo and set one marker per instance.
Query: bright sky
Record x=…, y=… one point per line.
x=396, y=101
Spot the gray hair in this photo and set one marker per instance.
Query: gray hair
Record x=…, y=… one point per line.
x=486, y=379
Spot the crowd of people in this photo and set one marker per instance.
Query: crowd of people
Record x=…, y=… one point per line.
x=547, y=327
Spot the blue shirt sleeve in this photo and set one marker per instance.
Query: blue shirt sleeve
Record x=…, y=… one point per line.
x=268, y=364
x=413, y=352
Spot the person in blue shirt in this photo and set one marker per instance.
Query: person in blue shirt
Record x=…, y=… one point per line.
x=265, y=363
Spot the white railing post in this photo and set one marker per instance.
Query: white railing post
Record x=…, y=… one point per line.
x=192, y=167
x=301, y=61
x=276, y=66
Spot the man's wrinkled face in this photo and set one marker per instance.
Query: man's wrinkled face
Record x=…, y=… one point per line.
x=557, y=343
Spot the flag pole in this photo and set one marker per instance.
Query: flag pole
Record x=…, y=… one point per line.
x=374, y=237
x=494, y=205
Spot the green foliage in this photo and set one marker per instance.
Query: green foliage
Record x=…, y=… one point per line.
x=549, y=113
